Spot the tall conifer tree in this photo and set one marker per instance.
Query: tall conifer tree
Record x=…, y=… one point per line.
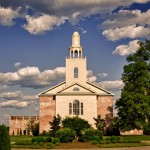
x=4, y=138
x=134, y=104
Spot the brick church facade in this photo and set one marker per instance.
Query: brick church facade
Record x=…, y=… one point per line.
x=76, y=95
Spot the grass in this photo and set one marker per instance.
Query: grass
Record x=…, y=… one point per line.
x=83, y=145
x=21, y=138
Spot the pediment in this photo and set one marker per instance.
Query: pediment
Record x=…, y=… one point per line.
x=76, y=89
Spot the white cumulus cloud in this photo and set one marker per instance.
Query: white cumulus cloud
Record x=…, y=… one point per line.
x=102, y=75
x=14, y=104
x=32, y=77
x=7, y=16
x=43, y=23
x=132, y=32
x=111, y=85
x=123, y=50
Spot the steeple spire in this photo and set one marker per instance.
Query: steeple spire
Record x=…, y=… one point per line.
x=76, y=49
x=76, y=39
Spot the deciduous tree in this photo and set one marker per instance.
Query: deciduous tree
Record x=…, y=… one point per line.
x=134, y=104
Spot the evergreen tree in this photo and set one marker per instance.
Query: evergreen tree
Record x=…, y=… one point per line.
x=55, y=125
x=134, y=104
x=4, y=138
x=100, y=124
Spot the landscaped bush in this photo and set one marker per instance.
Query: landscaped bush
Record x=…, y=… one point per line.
x=94, y=142
x=49, y=145
x=96, y=138
x=66, y=135
x=114, y=139
x=48, y=139
x=55, y=140
x=88, y=134
x=35, y=143
x=37, y=139
x=76, y=123
x=41, y=143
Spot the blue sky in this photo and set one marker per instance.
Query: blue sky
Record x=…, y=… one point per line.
x=35, y=37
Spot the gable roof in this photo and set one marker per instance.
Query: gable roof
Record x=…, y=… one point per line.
x=52, y=88
x=98, y=89
x=88, y=89
x=70, y=90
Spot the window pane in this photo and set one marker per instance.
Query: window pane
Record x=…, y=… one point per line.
x=76, y=107
x=81, y=108
x=70, y=108
x=75, y=72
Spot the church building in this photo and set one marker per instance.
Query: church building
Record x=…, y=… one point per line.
x=76, y=95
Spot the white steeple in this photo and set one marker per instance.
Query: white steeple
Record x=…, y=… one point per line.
x=75, y=49
x=76, y=39
x=76, y=64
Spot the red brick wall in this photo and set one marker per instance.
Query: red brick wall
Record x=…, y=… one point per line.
x=105, y=108
x=47, y=111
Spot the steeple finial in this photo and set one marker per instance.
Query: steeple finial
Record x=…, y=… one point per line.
x=76, y=39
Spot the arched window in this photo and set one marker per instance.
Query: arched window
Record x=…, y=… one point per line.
x=79, y=54
x=71, y=54
x=75, y=54
x=76, y=89
x=76, y=107
x=70, y=108
x=75, y=72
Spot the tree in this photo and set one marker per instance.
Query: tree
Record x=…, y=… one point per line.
x=134, y=104
x=4, y=138
x=55, y=125
x=33, y=126
x=76, y=123
x=100, y=124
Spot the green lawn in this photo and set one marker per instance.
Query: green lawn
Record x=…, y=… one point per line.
x=20, y=138
x=77, y=145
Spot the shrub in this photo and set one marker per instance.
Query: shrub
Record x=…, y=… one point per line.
x=103, y=142
x=48, y=139
x=49, y=145
x=75, y=123
x=96, y=138
x=114, y=139
x=66, y=135
x=37, y=139
x=4, y=138
x=35, y=143
x=94, y=142
x=41, y=143
x=88, y=134
x=55, y=140
x=108, y=142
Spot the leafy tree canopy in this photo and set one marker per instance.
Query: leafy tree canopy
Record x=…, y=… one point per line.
x=75, y=123
x=33, y=126
x=134, y=104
